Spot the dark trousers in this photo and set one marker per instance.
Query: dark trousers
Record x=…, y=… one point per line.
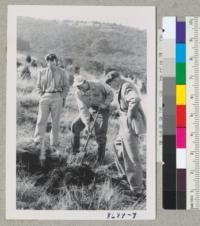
x=100, y=129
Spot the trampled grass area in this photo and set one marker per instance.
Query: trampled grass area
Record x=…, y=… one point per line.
x=105, y=192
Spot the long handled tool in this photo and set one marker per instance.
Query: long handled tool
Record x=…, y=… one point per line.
x=88, y=137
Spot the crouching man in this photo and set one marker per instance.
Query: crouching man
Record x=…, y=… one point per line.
x=53, y=87
x=91, y=96
x=132, y=124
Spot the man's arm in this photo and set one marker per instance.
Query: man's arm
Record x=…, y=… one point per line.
x=38, y=84
x=83, y=109
x=109, y=95
x=132, y=98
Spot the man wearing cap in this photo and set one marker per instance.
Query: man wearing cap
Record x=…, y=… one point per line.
x=26, y=73
x=53, y=87
x=91, y=96
x=132, y=124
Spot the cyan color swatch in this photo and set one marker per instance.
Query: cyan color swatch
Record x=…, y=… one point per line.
x=180, y=53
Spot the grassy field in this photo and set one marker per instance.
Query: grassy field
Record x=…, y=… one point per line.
x=103, y=193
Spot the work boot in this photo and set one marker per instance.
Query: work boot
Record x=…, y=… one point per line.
x=138, y=190
x=75, y=144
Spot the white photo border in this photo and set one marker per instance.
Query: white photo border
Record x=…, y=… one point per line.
x=146, y=15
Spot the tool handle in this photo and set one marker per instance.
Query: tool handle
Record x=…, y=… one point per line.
x=88, y=138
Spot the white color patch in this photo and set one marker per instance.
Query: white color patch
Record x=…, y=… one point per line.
x=169, y=26
x=180, y=158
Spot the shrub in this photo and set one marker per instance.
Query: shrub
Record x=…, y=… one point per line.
x=25, y=86
x=29, y=100
x=94, y=66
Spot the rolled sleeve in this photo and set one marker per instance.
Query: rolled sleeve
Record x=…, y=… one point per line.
x=83, y=109
x=132, y=98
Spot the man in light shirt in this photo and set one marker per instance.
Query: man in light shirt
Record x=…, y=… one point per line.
x=52, y=85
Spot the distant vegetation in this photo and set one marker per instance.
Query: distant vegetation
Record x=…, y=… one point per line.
x=95, y=46
x=22, y=45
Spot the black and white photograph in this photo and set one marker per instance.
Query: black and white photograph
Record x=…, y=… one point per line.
x=80, y=137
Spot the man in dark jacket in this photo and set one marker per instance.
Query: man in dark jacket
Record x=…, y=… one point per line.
x=91, y=96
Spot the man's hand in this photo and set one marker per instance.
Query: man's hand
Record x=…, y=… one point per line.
x=88, y=128
x=42, y=159
x=103, y=106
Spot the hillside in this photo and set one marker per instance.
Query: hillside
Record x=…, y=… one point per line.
x=93, y=45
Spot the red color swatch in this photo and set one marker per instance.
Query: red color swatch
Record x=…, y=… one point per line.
x=180, y=116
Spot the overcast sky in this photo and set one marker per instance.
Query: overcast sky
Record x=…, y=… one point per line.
x=138, y=17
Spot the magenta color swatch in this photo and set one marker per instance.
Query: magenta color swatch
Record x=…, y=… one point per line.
x=181, y=137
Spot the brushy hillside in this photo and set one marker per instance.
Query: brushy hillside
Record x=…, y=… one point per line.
x=95, y=46
x=106, y=191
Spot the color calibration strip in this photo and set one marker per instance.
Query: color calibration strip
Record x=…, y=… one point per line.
x=180, y=115
x=169, y=112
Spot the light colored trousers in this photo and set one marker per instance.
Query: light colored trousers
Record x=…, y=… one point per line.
x=49, y=103
x=126, y=152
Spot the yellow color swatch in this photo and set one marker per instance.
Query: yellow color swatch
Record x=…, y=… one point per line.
x=180, y=94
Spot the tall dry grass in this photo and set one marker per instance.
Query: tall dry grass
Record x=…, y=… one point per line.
x=104, y=195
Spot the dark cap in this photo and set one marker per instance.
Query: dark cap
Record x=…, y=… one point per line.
x=111, y=75
x=51, y=57
x=28, y=59
x=109, y=69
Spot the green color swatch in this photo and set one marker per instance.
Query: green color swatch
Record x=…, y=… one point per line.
x=180, y=73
